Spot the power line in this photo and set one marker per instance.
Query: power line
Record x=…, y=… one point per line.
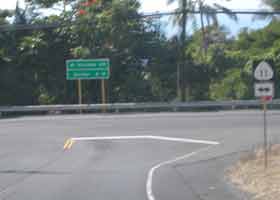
x=236, y=12
x=5, y=28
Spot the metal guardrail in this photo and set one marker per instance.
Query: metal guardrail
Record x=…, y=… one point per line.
x=136, y=106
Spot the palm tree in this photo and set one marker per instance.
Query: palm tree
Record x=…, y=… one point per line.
x=183, y=17
x=209, y=13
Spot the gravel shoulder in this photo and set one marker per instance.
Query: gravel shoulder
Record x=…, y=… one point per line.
x=250, y=175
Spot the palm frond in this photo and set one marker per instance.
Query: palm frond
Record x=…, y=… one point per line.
x=194, y=25
x=208, y=20
x=262, y=17
x=170, y=2
x=209, y=12
x=176, y=19
x=227, y=11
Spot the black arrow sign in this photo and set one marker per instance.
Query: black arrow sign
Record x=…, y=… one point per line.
x=264, y=89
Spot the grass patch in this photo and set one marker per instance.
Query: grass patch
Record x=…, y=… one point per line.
x=250, y=175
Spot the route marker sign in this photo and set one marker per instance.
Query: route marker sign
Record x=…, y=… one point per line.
x=264, y=76
x=263, y=72
x=88, y=69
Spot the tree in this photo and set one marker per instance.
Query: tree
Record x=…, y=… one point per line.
x=247, y=51
x=106, y=29
x=275, y=4
x=181, y=19
x=209, y=12
x=144, y=62
x=113, y=29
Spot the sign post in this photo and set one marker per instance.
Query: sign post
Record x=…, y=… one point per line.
x=264, y=89
x=103, y=95
x=80, y=93
x=265, y=134
x=90, y=69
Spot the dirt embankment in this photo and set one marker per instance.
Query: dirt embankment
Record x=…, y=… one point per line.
x=250, y=175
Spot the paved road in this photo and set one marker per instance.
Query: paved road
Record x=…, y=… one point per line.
x=33, y=164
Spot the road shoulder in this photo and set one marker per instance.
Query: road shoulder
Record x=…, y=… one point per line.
x=199, y=180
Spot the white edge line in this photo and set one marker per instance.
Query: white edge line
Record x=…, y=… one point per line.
x=185, y=140
x=149, y=183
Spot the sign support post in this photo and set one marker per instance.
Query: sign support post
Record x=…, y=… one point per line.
x=265, y=134
x=80, y=93
x=103, y=95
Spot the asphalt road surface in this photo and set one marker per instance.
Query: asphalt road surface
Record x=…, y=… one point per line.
x=137, y=159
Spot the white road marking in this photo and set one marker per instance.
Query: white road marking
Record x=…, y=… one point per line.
x=151, y=137
x=149, y=183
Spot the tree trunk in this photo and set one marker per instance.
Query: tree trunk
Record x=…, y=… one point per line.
x=204, y=42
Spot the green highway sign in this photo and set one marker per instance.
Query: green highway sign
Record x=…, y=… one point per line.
x=88, y=69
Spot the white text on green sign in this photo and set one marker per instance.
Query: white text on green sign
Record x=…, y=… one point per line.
x=88, y=69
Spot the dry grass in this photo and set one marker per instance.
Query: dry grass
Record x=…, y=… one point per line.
x=249, y=174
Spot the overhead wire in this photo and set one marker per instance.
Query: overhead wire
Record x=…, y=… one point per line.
x=16, y=27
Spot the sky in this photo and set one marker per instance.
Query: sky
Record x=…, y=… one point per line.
x=233, y=27
x=161, y=6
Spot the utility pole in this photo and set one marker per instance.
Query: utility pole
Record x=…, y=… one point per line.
x=182, y=67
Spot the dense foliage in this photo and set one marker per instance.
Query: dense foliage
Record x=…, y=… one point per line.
x=144, y=62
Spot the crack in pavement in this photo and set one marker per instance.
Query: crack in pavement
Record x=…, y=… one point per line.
x=187, y=184
x=27, y=176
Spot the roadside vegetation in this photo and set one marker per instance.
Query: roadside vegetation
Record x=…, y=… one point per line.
x=144, y=61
